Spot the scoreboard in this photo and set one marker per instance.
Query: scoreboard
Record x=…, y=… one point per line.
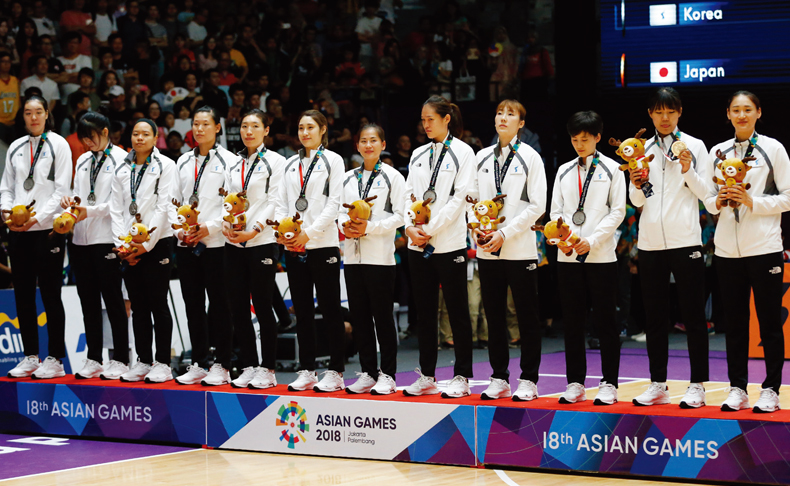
x=646, y=43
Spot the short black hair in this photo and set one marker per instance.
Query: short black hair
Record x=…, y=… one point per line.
x=585, y=121
x=76, y=98
x=32, y=91
x=70, y=36
x=33, y=61
x=665, y=97
x=91, y=124
x=236, y=87
x=174, y=133
x=4, y=53
x=88, y=72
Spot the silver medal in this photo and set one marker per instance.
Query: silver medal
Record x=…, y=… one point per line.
x=91, y=199
x=579, y=217
x=301, y=204
x=429, y=194
x=193, y=199
x=29, y=183
x=133, y=208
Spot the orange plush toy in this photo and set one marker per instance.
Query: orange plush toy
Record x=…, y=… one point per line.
x=734, y=170
x=289, y=228
x=560, y=234
x=21, y=214
x=138, y=234
x=65, y=222
x=236, y=206
x=486, y=213
x=419, y=212
x=360, y=209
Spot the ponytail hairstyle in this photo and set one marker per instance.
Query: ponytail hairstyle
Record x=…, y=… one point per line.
x=752, y=97
x=516, y=106
x=372, y=126
x=260, y=114
x=92, y=123
x=48, y=124
x=443, y=108
x=320, y=119
x=212, y=113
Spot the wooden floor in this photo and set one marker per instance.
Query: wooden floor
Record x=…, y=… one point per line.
x=213, y=467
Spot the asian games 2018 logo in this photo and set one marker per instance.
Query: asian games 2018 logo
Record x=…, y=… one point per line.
x=294, y=419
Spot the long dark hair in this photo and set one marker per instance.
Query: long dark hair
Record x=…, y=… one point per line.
x=443, y=108
x=319, y=118
x=48, y=124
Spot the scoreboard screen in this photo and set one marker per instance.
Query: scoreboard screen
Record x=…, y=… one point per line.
x=646, y=43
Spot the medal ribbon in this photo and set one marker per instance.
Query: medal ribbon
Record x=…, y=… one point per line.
x=376, y=171
x=97, y=165
x=306, y=178
x=675, y=137
x=583, y=190
x=748, y=153
x=497, y=179
x=435, y=173
x=34, y=160
x=134, y=185
x=199, y=175
x=245, y=181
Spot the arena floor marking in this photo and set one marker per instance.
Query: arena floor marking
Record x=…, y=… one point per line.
x=22, y=455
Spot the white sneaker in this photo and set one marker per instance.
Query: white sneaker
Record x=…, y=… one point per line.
x=216, y=376
x=193, y=375
x=526, y=391
x=497, y=388
x=574, y=393
x=25, y=368
x=457, y=388
x=159, y=373
x=305, y=381
x=92, y=369
x=264, y=378
x=607, y=394
x=50, y=368
x=384, y=386
x=640, y=338
x=737, y=400
x=244, y=379
x=331, y=382
x=768, y=401
x=694, y=397
x=138, y=372
x=114, y=370
x=656, y=394
x=364, y=384
x=425, y=385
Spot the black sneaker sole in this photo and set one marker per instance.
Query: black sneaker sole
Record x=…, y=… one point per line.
x=374, y=392
x=565, y=402
x=759, y=410
x=686, y=406
x=318, y=390
x=483, y=396
x=445, y=395
x=601, y=402
x=348, y=390
x=727, y=408
x=292, y=389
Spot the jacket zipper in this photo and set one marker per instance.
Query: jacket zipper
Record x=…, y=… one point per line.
x=661, y=214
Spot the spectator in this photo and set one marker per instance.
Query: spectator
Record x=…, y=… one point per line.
x=207, y=59
x=105, y=61
x=132, y=28
x=75, y=20
x=106, y=25
x=26, y=40
x=416, y=75
x=9, y=94
x=118, y=110
x=191, y=85
x=197, y=28
x=153, y=111
x=238, y=61
x=186, y=15
x=504, y=64
x=7, y=42
x=168, y=84
x=211, y=94
x=116, y=133
x=171, y=22
x=367, y=33
x=79, y=103
x=44, y=25
x=420, y=37
x=144, y=61
x=278, y=136
x=72, y=62
x=76, y=145
x=227, y=78
x=180, y=49
x=157, y=34
x=119, y=60
x=252, y=100
x=56, y=70
x=442, y=69
x=107, y=81
x=402, y=155
x=536, y=70
x=86, y=79
x=183, y=121
x=175, y=145
x=233, y=121
x=263, y=88
x=49, y=89
x=349, y=71
x=248, y=47
x=390, y=66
